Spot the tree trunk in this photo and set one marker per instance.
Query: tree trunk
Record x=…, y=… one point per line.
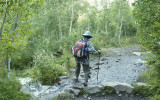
x=119, y=37
x=15, y=25
x=8, y=66
x=60, y=29
x=116, y=34
x=4, y=19
x=88, y=27
x=106, y=30
x=9, y=58
x=70, y=28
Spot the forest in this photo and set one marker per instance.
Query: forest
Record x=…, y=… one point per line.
x=36, y=37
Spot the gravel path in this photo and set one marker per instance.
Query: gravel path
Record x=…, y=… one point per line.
x=120, y=65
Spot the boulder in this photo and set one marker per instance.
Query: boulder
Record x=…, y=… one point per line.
x=75, y=91
x=93, y=89
x=120, y=87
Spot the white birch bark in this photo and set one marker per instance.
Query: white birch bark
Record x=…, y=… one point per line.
x=8, y=67
x=106, y=30
x=72, y=15
x=60, y=29
x=119, y=37
x=4, y=19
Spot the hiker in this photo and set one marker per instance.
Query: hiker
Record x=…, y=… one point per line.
x=82, y=57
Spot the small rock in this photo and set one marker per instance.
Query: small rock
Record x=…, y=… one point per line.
x=103, y=59
x=126, y=95
x=82, y=74
x=142, y=84
x=63, y=77
x=95, y=68
x=139, y=61
x=75, y=91
x=117, y=92
x=100, y=63
x=85, y=96
x=108, y=66
x=119, y=58
x=89, y=98
x=119, y=95
x=136, y=53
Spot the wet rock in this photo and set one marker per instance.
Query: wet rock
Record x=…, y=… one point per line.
x=137, y=53
x=92, y=89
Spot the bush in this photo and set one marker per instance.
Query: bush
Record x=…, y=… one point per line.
x=10, y=88
x=48, y=69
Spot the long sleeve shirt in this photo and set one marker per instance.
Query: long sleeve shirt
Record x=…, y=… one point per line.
x=90, y=50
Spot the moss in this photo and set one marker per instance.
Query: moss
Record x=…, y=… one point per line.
x=155, y=97
x=142, y=90
x=107, y=90
x=64, y=96
x=83, y=92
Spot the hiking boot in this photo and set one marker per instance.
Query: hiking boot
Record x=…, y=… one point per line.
x=85, y=83
x=76, y=81
x=89, y=76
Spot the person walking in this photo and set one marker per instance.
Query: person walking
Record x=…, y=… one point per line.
x=83, y=58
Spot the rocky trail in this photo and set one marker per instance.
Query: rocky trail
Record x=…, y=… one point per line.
x=117, y=70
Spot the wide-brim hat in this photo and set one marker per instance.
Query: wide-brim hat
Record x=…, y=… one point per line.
x=88, y=34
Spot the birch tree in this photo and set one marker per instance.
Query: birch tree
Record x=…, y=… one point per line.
x=14, y=31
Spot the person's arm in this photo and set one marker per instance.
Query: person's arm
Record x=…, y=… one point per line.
x=91, y=48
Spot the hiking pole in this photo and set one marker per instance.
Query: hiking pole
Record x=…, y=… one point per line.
x=98, y=67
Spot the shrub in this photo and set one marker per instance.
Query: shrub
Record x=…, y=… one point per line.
x=48, y=69
x=10, y=88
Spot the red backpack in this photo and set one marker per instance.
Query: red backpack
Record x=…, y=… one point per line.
x=79, y=49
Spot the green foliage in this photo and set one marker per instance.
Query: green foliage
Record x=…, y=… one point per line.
x=48, y=69
x=10, y=88
x=147, y=16
x=107, y=90
x=44, y=51
x=142, y=90
x=155, y=97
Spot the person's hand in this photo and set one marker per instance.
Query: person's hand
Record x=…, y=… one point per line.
x=99, y=51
